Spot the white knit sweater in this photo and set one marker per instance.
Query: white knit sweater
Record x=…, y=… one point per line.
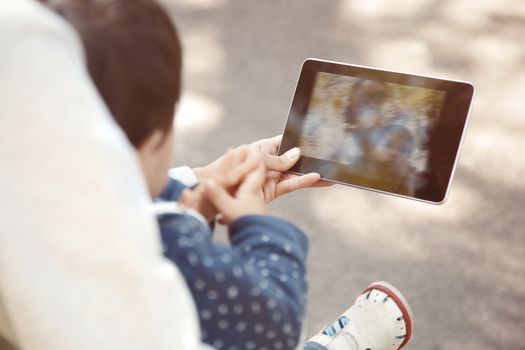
x=80, y=258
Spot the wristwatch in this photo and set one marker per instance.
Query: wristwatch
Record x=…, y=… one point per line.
x=185, y=175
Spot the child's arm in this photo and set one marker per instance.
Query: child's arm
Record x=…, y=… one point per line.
x=275, y=250
x=250, y=294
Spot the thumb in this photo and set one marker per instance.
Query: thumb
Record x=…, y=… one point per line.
x=283, y=162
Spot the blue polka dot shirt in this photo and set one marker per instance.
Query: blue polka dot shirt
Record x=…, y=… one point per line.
x=251, y=293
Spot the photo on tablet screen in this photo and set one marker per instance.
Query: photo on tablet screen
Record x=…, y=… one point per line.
x=377, y=132
x=387, y=131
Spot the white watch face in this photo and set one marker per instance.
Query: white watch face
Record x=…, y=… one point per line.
x=185, y=175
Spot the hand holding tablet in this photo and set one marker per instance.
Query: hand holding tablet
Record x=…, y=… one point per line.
x=385, y=131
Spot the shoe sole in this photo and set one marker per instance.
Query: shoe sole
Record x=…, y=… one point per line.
x=401, y=302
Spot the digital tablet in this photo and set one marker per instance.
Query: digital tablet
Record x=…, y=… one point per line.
x=386, y=131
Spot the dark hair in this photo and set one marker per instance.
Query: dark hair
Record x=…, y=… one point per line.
x=134, y=57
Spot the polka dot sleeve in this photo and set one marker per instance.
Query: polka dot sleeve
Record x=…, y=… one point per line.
x=250, y=294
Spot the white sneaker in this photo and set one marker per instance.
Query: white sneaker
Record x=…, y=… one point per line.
x=380, y=319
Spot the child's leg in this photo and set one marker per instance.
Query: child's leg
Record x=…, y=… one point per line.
x=380, y=319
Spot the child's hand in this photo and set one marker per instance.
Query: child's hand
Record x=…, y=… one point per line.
x=247, y=200
x=196, y=200
x=236, y=164
x=234, y=167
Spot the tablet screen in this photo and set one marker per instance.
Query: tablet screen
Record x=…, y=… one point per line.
x=386, y=131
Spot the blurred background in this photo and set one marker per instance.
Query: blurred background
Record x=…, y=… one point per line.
x=461, y=265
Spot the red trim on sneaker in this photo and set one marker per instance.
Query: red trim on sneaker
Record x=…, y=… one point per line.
x=402, y=307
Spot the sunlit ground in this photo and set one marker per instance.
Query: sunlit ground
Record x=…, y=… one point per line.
x=461, y=264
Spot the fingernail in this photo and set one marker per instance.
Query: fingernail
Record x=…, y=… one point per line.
x=293, y=153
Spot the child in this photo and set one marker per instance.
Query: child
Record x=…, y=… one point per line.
x=250, y=295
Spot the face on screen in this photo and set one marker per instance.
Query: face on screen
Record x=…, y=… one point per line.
x=377, y=133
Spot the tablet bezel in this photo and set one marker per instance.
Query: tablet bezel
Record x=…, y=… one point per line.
x=446, y=137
